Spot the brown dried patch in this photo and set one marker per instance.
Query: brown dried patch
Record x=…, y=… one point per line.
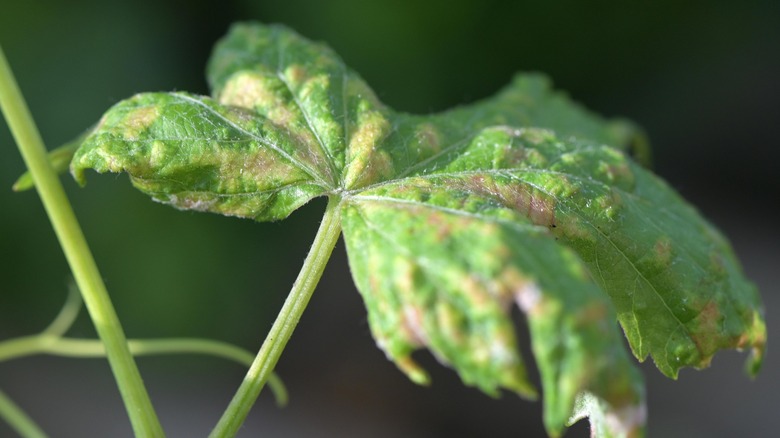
x=717, y=265
x=705, y=330
x=193, y=201
x=536, y=206
x=295, y=73
x=524, y=291
x=663, y=251
x=442, y=227
x=242, y=171
x=510, y=280
x=618, y=173
x=412, y=326
x=428, y=140
x=592, y=312
x=513, y=155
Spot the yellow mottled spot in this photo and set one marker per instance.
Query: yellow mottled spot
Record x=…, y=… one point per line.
x=403, y=274
x=611, y=204
x=536, y=136
x=534, y=158
x=475, y=292
x=449, y=323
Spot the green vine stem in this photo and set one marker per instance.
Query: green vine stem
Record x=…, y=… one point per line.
x=69, y=347
x=51, y=341
x=18, y=420
x=266, y=359
x=139, y=407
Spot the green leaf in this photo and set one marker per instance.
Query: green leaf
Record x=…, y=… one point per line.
x=192, y=153
x=307, y=89
x=451, y=219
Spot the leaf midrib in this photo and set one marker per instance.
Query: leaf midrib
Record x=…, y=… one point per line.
x=314, y=175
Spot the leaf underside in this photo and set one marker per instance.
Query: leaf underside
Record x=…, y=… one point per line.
x=452, y=219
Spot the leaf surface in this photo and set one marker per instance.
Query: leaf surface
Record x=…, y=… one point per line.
x=444, y=273
x=452, y=219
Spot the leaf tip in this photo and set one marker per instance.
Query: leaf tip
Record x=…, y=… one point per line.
x=77, y=172
x=413, y=371
x=524, y=389
x=757, y=339
x=24, y=183
x=607, y=420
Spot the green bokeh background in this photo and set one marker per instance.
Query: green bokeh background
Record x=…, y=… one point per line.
x=700, y=77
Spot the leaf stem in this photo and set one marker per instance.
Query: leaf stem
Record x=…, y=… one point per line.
x=74, y=245
x=18, y=420
x=289, y=315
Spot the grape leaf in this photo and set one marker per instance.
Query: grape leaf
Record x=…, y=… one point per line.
x=524, y=199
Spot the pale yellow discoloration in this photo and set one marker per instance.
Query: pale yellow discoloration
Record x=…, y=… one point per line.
x=535, y=136
x=314, y=85
x=404, y=274
x=474, y=290
x=137, y=121
x=411, y=324
x=258, y=169
x=368, y=163
x=157, y=155
x=191, y=202
x=255, y=91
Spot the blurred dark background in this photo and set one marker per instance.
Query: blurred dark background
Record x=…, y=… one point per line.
x=700, y=77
